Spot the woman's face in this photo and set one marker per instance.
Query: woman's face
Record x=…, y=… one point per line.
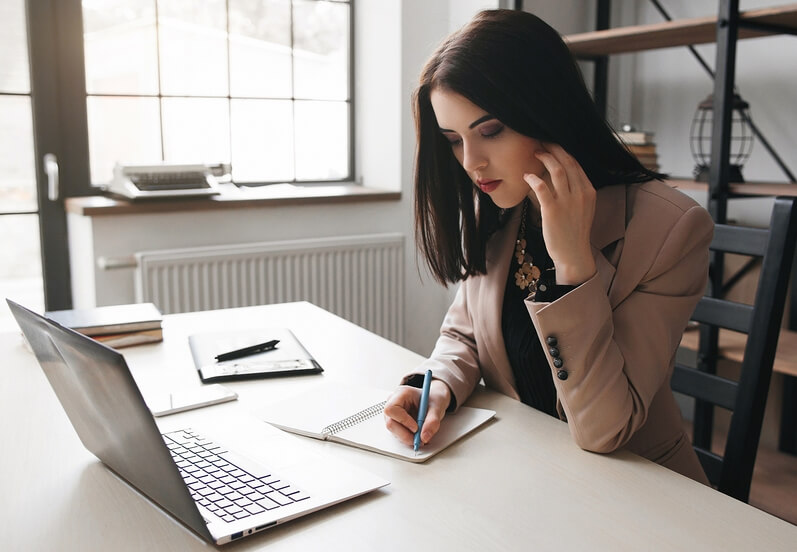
x=494, y=156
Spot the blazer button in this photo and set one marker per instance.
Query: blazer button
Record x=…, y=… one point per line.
x=558, y=362
x=551, y=340
x=561, y=374
x=554, y=352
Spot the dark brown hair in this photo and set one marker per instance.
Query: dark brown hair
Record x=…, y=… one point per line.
x=518, y=69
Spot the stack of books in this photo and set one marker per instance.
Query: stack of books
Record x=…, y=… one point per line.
x=641, y=144
x=116, y=326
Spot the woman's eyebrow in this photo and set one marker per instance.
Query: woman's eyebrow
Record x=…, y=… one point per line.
x=478, y=121
x=481, y=120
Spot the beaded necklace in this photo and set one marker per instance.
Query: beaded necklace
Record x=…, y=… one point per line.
x=528, y=274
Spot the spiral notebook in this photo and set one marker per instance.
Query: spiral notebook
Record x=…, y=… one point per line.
x=352, y=415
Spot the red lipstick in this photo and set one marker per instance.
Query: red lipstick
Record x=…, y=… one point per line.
x=487, y=186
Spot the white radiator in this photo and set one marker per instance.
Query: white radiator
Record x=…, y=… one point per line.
x=359, y=278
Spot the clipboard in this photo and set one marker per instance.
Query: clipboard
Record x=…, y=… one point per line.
x=288, y=358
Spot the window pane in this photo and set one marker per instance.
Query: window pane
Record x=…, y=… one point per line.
x=120, y=46
x=21, y=280
x=18, y=184
x=322, y=140
x=262, y=140
x=260, y=48
x=193, y=47
x=321, y=37
x=122, y=129
x=13, y=47
x=196, y=130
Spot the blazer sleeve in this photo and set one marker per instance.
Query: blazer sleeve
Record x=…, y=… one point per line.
x=615, y=361
x=455, y=359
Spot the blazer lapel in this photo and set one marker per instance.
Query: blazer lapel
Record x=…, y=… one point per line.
x=608, y=227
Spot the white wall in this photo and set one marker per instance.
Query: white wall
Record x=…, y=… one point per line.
x=393, y=38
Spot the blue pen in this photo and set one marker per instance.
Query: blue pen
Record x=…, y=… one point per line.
x=427, y=382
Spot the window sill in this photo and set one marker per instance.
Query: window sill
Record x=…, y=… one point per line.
x=232, y=197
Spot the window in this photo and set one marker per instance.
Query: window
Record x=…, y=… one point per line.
x=21, y=272
x=261, y=84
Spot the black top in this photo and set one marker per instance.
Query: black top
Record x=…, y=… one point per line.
x=533, y=376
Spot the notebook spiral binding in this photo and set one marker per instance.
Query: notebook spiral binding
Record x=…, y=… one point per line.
x=354, y=419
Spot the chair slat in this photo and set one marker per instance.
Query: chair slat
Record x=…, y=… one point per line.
x=740, y=240
x=725, y=314
x=703, y=386
x=712, y=464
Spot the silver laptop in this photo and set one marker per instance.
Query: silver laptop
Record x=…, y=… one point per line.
x=221, y=494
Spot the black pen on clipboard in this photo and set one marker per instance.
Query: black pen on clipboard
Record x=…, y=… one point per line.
x=247, y=351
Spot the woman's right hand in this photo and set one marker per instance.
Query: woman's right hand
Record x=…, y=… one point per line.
x=401, y=411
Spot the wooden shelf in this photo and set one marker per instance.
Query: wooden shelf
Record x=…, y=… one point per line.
x=741, y=188
x=683, y=32
x=731, y=346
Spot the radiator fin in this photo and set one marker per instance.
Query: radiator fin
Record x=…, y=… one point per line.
x=359, y=278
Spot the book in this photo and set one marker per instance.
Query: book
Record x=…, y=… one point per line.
x=288, y=358
x=647, y=157
x=635, y=137
x=352, y=415
x=114, y=319
x=128, y=339
x=642, y=149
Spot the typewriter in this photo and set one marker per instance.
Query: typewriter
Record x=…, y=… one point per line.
x=163, y=180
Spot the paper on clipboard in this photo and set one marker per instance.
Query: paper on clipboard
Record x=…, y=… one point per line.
x=288, y=358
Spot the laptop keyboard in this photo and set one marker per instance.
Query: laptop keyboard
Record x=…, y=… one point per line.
x=230, y=486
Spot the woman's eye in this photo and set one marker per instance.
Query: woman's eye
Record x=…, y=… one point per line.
x=489, y=131
x=454, y=141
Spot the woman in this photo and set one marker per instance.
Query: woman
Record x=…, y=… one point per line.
x=579, y=267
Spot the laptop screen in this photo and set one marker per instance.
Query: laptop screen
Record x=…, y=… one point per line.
x=101, y=399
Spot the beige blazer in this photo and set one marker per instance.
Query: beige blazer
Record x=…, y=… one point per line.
x=617, y=333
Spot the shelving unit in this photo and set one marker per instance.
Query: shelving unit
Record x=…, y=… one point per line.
x=725, y=30
x=597, y=45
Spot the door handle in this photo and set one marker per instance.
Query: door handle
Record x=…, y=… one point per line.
x=51, y=169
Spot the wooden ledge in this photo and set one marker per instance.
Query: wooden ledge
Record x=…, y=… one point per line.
x=681, y=32
x=732, y=344
x=740, y=189
x=232, y=197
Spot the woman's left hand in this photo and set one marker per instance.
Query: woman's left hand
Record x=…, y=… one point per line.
x=567, y=209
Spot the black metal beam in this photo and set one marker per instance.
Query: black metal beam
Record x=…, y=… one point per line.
x=719, y=177
x=601, y=68
x=719, y=170
x=773, y=28
x=787, y=440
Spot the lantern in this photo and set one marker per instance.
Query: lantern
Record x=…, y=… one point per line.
x=741, y=138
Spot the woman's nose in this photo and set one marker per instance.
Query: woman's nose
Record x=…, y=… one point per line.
x=473, y=158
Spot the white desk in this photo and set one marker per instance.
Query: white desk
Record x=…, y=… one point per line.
x=520, y=483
